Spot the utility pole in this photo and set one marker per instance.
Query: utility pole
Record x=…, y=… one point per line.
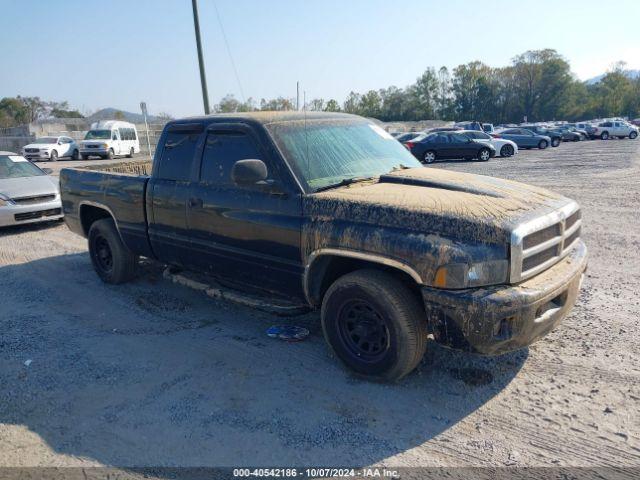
x=297, y=95
x=203, y=78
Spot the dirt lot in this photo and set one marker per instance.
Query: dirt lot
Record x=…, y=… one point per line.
x=154, y=374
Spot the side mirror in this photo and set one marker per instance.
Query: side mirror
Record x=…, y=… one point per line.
x=48, y=171
x=249, y=172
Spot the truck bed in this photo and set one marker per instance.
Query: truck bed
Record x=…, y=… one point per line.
x=119, y=188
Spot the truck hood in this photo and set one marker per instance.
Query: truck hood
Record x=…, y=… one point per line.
x=28, y=186
x=461, y=206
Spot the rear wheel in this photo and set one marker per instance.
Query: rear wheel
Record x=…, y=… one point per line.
x=543, y=144
x=54, y=156
x=484, y=154
x=111, y=259
x=110, y=154
x=374, y=324
x=75, y=155
x=506, y=151
x=633, y=135
x=429, y=156
x=554, y=142
x=131, y=152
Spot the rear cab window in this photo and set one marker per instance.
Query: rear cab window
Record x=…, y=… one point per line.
x=178, y=152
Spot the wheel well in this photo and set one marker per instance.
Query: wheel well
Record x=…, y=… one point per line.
x=328, y=268
x=90, y=214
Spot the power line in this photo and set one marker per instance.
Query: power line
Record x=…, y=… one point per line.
x=233, y=63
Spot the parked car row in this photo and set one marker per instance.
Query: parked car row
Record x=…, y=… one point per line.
x=105, y=139
x=466, y=139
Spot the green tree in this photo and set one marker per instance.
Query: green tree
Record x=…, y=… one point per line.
x=332, y=106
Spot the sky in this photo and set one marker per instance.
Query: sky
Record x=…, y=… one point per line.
x=116, y=53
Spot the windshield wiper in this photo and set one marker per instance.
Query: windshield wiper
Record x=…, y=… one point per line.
x=343, y=182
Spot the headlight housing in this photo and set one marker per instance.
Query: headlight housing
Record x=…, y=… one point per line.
x=465, y=275
x=4, y=201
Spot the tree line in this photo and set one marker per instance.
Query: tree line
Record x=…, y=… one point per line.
x=19, y=110
x=538, y=85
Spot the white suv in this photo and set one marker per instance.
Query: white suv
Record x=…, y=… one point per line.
x=606, y=130
x=51, y=148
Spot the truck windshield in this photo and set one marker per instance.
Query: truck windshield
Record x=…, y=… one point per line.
x=15, y=166
x=98, y=135
x=323, y=153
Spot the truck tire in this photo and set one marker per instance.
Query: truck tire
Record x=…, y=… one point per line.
x=112, y=260
x=633, y=135
x=374, y=324
x=604, y=136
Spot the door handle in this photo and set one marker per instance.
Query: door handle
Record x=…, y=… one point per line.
x=195, y=202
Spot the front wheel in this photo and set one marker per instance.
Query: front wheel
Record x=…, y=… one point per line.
x=506, y=151
x=375, y=324
x=54, y=156
x=75, y=155
x=543, y=144
x=112, y=260
x=110, y=154
x=604, y=136
x=484, y=154
x=633, y=135
x=555, y=142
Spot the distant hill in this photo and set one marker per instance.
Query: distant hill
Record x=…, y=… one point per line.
x=110, y=114
x=630, y=73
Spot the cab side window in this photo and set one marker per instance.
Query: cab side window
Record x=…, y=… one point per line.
x=177, y=156
x=221, y=150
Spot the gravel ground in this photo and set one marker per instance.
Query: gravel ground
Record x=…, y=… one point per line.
x=155, y=374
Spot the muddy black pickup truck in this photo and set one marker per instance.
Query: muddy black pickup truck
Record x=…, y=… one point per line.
x=330, y=209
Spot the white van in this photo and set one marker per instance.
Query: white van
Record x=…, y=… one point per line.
x=109, y=138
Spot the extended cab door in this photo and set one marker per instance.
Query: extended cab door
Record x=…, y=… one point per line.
x=168, y=192
x=248, y=233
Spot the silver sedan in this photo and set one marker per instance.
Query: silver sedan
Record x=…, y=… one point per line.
x=27, y=193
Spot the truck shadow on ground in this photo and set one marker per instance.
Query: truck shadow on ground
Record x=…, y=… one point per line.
x=154, y=374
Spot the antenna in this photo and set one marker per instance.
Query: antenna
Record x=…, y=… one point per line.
x=306, y=133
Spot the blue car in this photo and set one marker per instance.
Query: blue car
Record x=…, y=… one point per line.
x=524, y=138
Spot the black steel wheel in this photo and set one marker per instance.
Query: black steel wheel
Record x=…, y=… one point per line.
x=111, y=259
x=363, y=330
x=375, y=324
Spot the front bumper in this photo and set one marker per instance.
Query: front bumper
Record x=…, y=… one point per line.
x=498, y=319
x=23, y=214
x=36, y=156
x=94, y=151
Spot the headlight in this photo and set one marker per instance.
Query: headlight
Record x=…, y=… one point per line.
x=105, y=145
x=4, y=201
x=464, y=275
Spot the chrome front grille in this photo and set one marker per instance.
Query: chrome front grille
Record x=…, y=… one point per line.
x=538, y=244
